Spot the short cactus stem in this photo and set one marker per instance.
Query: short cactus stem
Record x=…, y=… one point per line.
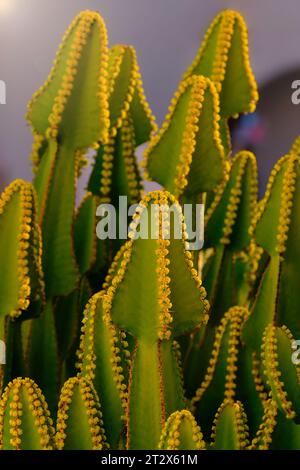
x=228, y=28
x=231, y=190
x=195, y=101
x=220, y=380
x=126, y=94
x=227, y=223
x=116, y=161
x=79, y=418
x=278, y=255
x=285, y=173
x=23, y=282
x=282, y=377
x=230, y=326
x=181, y=432
x=263, y=437
x=25, y=422
x=103, y=358
x=230, y=429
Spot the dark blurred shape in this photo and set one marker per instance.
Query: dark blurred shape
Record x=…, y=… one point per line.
x=250, y=130
x=271, y=130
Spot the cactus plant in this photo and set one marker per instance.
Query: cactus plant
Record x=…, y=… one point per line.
x=20, y=232
x=79, y=418
x=103, y=357
x=62, y=136
x=196, y=163
x=224, y=57
x=25, y=422
x=230, y=414
x=115, y=171
x=220, y=379
x=181, y=432
x=119, y=342
x=227, y=269
x=277, y=299
x=22, y=285
x=161, y=314
x=281, y=374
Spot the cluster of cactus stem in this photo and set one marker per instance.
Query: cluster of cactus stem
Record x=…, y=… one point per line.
x=141, y=343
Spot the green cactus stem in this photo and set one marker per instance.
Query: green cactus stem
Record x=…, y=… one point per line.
x=85, y=240
x=275, y=230
x=227, y=224
x=251, y=389
x=221, y=375
x=22, y=285
x=68, y=313
x=283, y=377
x=78, y=80
x=155, y=312
x=230, y=428
x=92, y=254
x=42, y=355
x=115, y=171
x=79, y=418
x=82, y=57
x=286, y=435
x=227, y=262
x=25, y=422
x=127, y=98
x=50, y=342
x=181, y=432
x=224, y=58
x=182, y=158
x=264, y=435
x=103, y=358
x=22, y=280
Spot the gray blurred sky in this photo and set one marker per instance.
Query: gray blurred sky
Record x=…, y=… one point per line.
x=165, y=33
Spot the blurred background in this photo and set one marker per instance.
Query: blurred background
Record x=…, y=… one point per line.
x=166, y=35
